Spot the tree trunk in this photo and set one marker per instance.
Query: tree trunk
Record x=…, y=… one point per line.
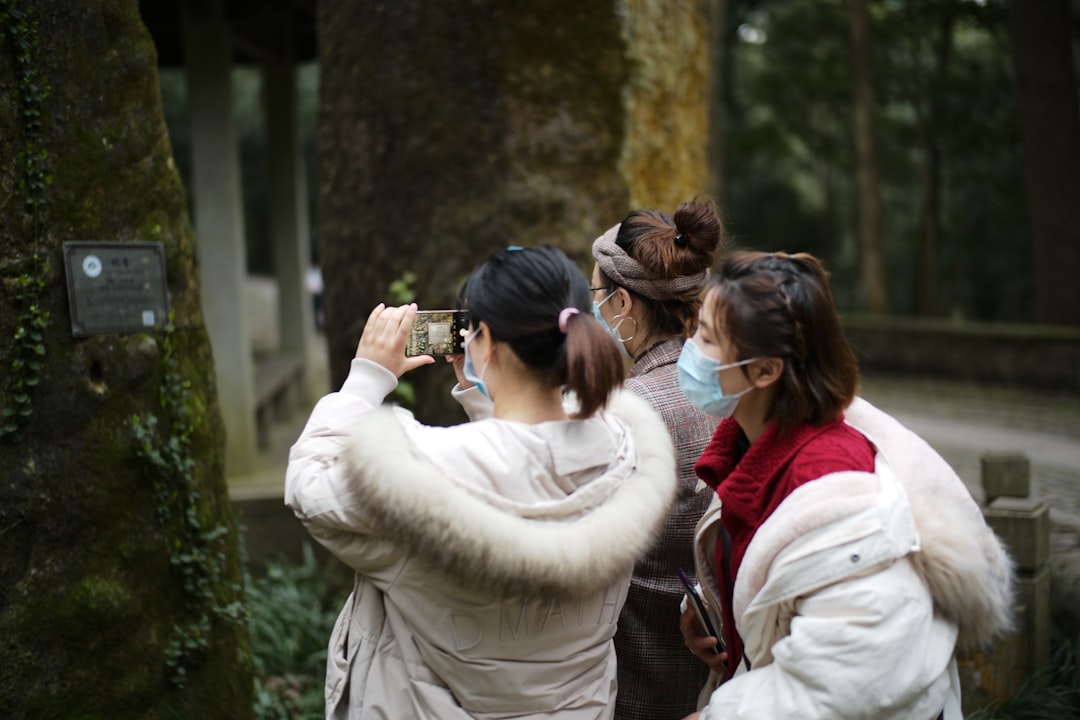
x=717, y=16
x=1050, y=132
x=871, y=242
x=448, y=131
x=119, y=574
x=927, y=101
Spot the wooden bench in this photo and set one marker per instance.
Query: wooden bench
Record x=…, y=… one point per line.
x=279, y=381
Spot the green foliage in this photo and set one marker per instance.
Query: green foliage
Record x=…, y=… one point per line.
x=1053, y=695
x=403, y=291
x=198, y=554
x=29, y=352
x=290, y=623
x=943, y=89
x=19, y=27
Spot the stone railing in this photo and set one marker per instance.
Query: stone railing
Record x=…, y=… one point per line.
x=1022, y=522
x=1043, y=356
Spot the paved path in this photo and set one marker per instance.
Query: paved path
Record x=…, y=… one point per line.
x=964, y=420
x=960, y=420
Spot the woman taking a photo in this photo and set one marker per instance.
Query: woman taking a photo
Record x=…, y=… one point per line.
x=647, y=282
x=491, y=557
x=844, y=559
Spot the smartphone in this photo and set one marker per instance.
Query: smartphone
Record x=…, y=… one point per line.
x=438, y=332
x=699, y=608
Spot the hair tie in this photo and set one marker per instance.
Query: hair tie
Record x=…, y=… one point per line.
x=680, y=240
x=564, y=315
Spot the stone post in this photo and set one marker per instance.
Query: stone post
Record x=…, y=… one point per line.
x=1023, y=522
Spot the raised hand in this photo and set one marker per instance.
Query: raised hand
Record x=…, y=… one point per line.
x=385, y=336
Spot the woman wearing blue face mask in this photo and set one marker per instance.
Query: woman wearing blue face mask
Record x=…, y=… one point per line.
x=650, y=270
x=843, y=559
x=491, y=557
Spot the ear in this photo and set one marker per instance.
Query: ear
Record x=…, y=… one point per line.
x=626, y=303
x=484, y=333
x=767, y=371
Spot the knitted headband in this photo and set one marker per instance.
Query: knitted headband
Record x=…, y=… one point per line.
x=628, y=272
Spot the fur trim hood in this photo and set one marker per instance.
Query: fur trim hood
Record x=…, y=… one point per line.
x=474, y=538
x=966, y=565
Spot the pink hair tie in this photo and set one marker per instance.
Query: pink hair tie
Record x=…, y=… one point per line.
x=564, y=316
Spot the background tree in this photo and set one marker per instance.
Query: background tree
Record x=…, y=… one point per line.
x=119, y=576
x=944, y=98
x=1050, y=127
x=448, y=131
x=871, y=242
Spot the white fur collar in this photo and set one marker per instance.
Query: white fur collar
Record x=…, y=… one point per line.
x=413, y=502
x=966, y=565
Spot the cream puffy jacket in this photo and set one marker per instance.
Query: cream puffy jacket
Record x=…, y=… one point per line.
x=492, y=558
x=853, y=596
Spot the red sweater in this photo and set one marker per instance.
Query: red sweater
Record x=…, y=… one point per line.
x=752, y=482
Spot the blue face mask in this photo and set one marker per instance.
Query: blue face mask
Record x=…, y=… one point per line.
x=699, y=378
x=469, y=372
x=612, y=331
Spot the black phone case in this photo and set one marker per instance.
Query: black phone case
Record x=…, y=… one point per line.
x=699, y=608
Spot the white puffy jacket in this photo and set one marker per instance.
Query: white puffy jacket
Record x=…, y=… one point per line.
x=492, y=558
x=853, y=596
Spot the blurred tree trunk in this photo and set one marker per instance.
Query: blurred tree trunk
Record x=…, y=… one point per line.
x=871, y=240
x=718, y=57
x=449, y=131
x=927, y=98
x=1050, y=131
x=119, y=575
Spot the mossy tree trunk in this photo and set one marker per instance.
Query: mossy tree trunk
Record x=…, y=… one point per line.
x=448, y=131
x=119, y=571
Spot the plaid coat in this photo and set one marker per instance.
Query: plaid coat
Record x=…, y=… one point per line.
x=658, y=677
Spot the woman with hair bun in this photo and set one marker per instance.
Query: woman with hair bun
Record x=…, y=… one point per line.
x=647, y=282
x=492, y=557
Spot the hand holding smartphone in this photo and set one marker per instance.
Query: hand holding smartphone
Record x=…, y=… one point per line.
x=438, y=332
x=699, y=610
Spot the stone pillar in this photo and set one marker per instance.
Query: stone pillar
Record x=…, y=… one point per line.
x=287, y=195
x=1023, y=522
x=219, y=222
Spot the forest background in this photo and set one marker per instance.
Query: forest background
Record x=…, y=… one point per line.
x=953, y=223
x=929, y=151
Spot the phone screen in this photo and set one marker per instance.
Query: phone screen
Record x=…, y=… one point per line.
x=699, y=608
x=438, y=332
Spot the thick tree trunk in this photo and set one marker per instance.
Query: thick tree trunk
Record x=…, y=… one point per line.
x=111, y=539
x=871, y=242
x=1050, y=131
x=448, y=131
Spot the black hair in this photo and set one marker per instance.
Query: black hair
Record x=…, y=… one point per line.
x=520, y=293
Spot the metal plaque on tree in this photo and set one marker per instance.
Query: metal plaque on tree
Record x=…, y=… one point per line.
x=116, y=288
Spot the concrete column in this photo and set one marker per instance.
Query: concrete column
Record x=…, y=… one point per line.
x=287, y=195
x=219, y=222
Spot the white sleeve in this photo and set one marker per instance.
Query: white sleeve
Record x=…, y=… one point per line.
x=476, y=405
x=317, y=487
x=872, y=639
